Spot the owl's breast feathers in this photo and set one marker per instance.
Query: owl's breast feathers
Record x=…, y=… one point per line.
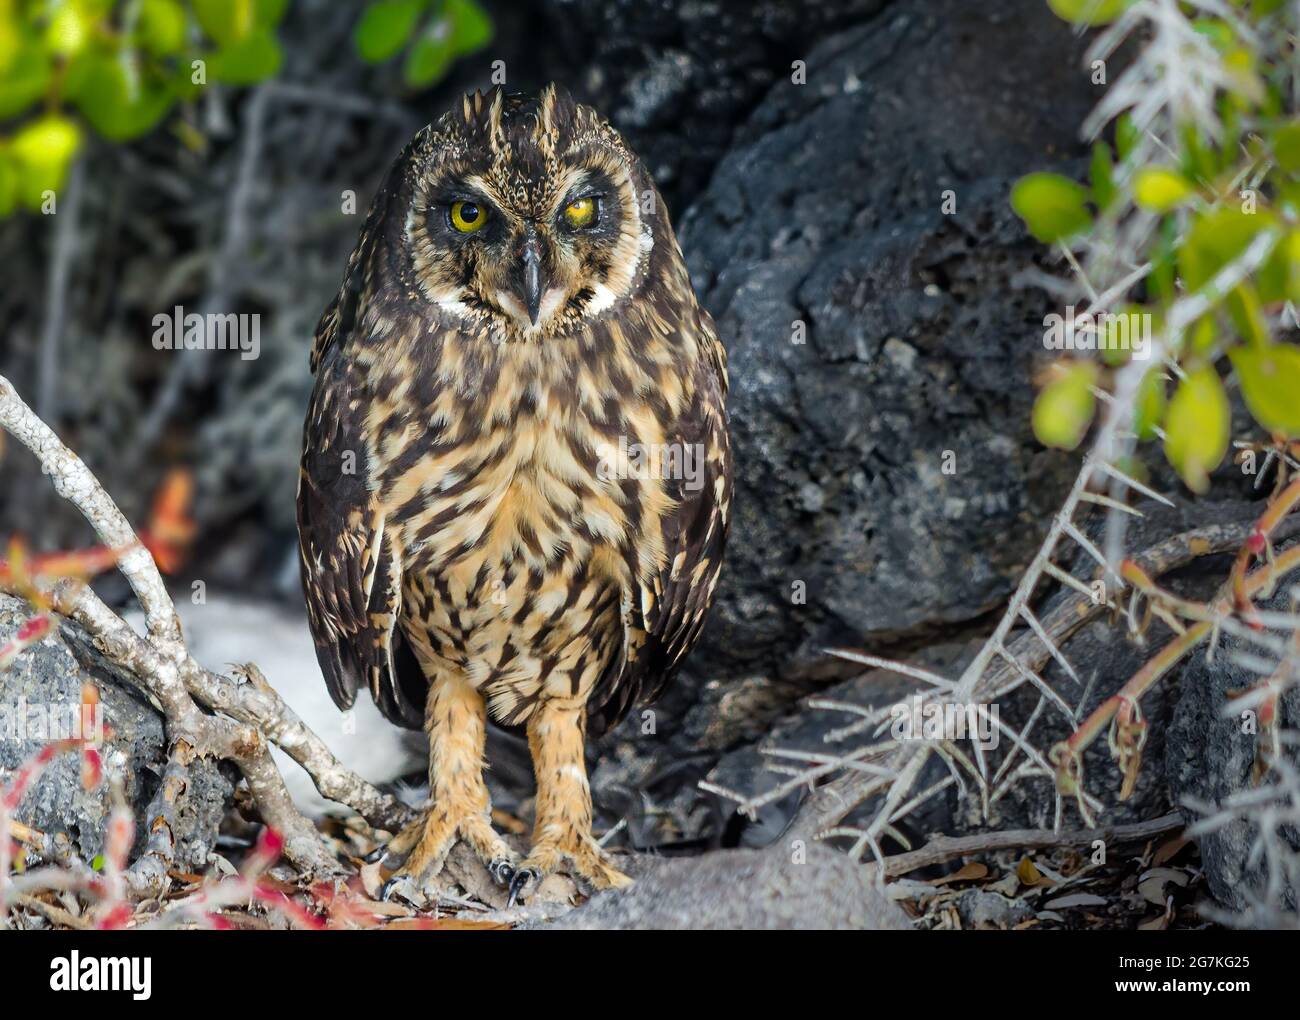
x=546, y=517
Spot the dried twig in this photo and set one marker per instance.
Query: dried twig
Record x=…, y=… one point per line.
x=946, y=848
x=250, y=712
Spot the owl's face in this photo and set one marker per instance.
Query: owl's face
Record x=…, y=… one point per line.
x=525, y=215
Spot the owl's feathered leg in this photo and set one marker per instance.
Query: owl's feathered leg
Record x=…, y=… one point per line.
x=562, y=828
x=455, y=718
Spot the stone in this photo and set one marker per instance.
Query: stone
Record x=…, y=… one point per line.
x=1210, y=756
x=749, y=889
x=47, y=678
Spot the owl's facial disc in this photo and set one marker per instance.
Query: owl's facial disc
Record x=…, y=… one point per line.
x=526, y=217
x=540, y=266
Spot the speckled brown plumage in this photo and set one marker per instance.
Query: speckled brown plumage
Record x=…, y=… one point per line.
x=484, y=524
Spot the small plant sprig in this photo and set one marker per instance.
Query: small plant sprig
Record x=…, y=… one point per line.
x=116, y=69
x=1201, y=174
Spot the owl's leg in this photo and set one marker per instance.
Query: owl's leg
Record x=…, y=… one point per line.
x=562, y=829
x=455, y=718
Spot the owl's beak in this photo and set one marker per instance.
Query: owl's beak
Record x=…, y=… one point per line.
x=533, y=282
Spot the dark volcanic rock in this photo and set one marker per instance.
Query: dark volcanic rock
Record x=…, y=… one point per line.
x=51, y=673
x=678, y=77
x=919, y=338
x=1211, y=756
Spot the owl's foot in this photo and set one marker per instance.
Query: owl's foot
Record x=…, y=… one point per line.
x=583, y=858
x=427, y=841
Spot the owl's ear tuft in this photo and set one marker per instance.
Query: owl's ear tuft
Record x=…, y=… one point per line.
x=496, y=129
x=557, y=110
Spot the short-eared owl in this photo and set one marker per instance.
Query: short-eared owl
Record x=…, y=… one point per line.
x=516, y=474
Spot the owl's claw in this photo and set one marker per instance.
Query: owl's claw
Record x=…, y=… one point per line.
x=398, y=885
x=502, y=871
x=522, y=885
x=378, y=855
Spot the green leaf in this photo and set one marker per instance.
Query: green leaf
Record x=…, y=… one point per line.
x=1101, y=174
x=1149, y=409
x=43, y=151
x=1286, y=147
x=226, y=21
x=1164, y=263
x=1247, y=314
x=1123, y=333
x=1126, y=136
x=1215, y=239
x=1052, y=206
x=247, y=61
x=97, y=862
x=1216, y=30
x=26, y=79
x=116, y=106
x=1203, y=336
x=1279, y=278
x=1064, y=409
x=68, y=31
x=471, y=28
x=1197, y=427
x=10, y=42
x=1088, y=12
x=385, y=27
x=8, y=186
x=1158, y=189
x=162, y=27
x=1200, y=159
x=269, y=13
x=1270, y=384
x=1248, y=87
x=428, y=59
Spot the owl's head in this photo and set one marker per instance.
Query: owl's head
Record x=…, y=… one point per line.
x=524, y=214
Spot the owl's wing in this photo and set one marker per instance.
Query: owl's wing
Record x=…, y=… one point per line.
x=351, y=568
x=351, y=564
x=664, y=614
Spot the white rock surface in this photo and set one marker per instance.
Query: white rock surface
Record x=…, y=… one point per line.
x=226, y=630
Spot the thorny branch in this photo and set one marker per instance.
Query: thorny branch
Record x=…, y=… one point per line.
x=247, y=710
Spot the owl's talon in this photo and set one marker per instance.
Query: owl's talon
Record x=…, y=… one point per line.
x=378, y=855
x=523, y=884
x=398, y=885
x=502, y=870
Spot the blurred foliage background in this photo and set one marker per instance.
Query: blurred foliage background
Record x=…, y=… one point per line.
x=120, y=67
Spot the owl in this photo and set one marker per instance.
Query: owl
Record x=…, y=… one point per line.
x=516, y=474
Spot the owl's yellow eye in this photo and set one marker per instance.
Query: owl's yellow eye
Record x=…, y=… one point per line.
x=468, y=217
x=580, y=212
